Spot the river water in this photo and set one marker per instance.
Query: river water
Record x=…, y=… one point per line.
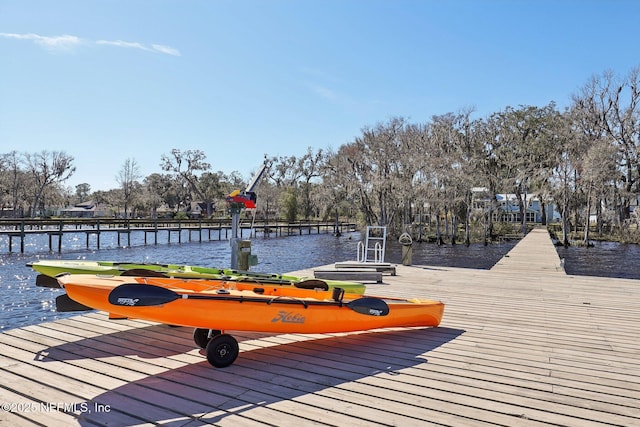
x=603, y=259
x=23, y=303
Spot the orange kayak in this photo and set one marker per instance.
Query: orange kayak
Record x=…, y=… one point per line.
x=218, y=305
x=230, y=305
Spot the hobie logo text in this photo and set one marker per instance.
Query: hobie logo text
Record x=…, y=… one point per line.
x=288, y=317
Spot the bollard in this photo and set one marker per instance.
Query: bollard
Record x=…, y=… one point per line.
x=407, y=248
x=244, y=253
x=245, y=258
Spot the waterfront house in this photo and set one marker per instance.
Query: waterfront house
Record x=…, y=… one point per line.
x=508, y=208
x=88, y=209
x=199, y=209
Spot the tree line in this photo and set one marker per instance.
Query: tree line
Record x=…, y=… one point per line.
x=585, y=161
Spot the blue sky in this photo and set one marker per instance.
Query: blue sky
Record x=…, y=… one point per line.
x=108, y=80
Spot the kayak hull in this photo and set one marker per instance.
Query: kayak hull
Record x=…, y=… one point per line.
x=223, y=307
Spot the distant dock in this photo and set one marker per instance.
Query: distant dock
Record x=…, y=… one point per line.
x=522, y=344
x=18, y=232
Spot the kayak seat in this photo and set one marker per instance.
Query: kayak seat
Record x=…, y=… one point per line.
x=312, y=284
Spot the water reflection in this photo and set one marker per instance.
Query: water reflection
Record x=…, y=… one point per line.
x=473, y=256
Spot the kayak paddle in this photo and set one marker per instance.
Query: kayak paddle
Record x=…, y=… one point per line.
x=144, y=295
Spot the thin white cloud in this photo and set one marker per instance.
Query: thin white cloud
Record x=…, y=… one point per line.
x=64, y=43
x=120, y=43
x=166, y=49
x=67, y=43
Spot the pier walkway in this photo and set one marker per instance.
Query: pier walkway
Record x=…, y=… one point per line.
x=522, y=344
x=535, y=254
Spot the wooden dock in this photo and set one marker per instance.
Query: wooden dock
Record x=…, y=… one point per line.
x=522, y=344
x=24, y=231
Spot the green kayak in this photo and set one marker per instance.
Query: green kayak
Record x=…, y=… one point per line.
x=49, y=269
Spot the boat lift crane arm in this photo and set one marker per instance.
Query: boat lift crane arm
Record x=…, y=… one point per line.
x=254, y=181
x=247, y=198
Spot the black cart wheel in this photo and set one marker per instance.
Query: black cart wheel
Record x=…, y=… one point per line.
x=201, y=336
x=222, y=350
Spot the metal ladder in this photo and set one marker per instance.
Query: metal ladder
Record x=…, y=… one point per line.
x=374, y=248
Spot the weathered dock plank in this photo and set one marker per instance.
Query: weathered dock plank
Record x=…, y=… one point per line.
x=362, y=276
x=521, y=344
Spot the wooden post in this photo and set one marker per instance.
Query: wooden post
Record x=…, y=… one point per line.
x=22, y=236
x=60, y=238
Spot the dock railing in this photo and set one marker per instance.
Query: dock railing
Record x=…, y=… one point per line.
x=205, y=229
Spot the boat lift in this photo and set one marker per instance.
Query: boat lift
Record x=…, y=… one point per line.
x=238, y=201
